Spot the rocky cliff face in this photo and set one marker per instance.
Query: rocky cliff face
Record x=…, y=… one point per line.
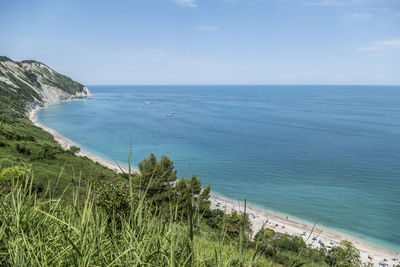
x=28, y=84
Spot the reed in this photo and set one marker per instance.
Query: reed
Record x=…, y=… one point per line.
x=72, y=230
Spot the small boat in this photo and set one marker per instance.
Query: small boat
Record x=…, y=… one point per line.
x=170, y=114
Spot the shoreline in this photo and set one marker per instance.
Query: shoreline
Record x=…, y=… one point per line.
x=65, y=143
x=259, y=217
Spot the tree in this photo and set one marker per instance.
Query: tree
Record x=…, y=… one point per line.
x=234, y=223
x=188, y=190
x=344, y=255
x=290, y=243
x=264, y=241
x=157, y=178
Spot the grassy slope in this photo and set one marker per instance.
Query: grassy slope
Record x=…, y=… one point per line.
x=40, y=152
x=69, y=232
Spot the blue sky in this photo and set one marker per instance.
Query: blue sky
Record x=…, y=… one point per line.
x=208, y=41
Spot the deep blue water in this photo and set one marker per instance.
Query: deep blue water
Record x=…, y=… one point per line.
x=326, y=153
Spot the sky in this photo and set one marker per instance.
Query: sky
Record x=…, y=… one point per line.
x=123, y=42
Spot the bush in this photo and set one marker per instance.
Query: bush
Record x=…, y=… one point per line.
x=113, y=196
x=290, y=243
x=74, y=149
x=263, y=241
x=213, y=218
x=13, y=173
x=234, y=223
x=344, y=255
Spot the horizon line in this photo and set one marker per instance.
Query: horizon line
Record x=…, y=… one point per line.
x=242, y=84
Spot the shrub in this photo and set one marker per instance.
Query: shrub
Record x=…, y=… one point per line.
x=263, y=241
x=214, y=218
x=13, y=173
x=290, y=243
x=74, y=149
x=344, y=255
x=113, y=196
x=234, y=223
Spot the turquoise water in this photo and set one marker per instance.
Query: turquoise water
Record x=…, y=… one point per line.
x=326, y=153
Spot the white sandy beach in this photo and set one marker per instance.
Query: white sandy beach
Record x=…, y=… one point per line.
x=259, y=217
x=263, y=218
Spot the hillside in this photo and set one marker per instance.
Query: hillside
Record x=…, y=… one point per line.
x=23, y=86
x=27, y=84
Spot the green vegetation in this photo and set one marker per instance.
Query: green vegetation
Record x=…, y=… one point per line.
x=23, y=144
x=114, y=222
x=74, y=149
x=59, y=209
x=75, y=229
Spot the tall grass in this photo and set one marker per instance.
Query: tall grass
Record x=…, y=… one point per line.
x=72, y=230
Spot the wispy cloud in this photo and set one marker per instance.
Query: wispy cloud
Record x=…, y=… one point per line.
x=230, y=1
x=207, y=28
x=187, y=3
x=381, y=45
x=359, y=16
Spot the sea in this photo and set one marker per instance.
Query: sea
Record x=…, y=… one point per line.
x=323, y=154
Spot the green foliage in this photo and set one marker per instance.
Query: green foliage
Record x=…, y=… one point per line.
x=4, y=58
x=74, y=149
x=26, y=145
x=214, y=218
x=233, y=224
x=72, y=231
x=10, y=174
x=32, y=78
x=288, y=250
x=112, y=195
x=344, y=255
x=290, y=243
x=186, y=191
x=157, y=178
x=264, y=234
